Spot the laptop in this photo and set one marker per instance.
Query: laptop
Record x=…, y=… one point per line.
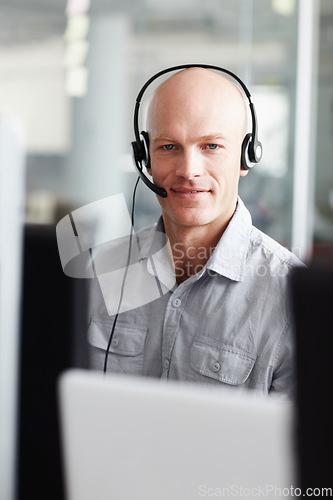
x=146, y=439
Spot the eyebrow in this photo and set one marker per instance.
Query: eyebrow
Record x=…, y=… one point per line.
x=163, y=138
x=211, y=137
x=203, y=138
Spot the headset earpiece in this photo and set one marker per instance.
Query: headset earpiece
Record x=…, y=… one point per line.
x=245, y=161
x=251, y=152
x=141, y=158
x=141, y=150
x=144, y=145
x=255, y=151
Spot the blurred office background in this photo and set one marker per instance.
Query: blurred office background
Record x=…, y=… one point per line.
x=70, y=72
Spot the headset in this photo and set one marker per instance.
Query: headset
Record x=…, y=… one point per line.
x=251, y=151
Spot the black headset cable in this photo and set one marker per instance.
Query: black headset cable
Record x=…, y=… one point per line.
x=124, y=279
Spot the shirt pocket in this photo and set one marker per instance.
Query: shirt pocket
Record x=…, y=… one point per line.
x=126, y=350
x=224, y=363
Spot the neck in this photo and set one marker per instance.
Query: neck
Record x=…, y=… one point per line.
x=191, y=247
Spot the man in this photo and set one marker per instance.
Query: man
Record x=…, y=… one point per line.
x=226, y=321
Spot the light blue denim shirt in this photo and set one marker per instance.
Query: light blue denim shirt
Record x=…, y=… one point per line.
x=229, y=324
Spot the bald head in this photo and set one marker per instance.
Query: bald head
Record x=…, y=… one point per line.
x=198, y=92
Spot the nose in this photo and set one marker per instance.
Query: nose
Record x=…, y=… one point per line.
x=189, y=164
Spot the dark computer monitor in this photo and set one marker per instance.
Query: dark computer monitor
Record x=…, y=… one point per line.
x=312, y=300
x=53, y=338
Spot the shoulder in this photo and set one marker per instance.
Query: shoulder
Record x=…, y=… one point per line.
x=118, y=251
x=258, y=254
x=110, y=264
x=266, y=249
x=268, y=267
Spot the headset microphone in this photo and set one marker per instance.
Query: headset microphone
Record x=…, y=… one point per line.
x=251, y=151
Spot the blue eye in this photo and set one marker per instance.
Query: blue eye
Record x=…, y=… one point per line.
x=168, y=147
x=212, y=146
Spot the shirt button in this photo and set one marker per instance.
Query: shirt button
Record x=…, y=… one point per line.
x=216, y=366
x=115, y=342
x=166, y=364
x=176, y=302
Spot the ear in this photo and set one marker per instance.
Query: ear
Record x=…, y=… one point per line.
x=243, y=172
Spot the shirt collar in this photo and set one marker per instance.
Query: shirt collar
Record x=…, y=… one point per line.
x=228, y=257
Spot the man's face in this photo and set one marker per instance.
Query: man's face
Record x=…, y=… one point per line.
x=196, y=127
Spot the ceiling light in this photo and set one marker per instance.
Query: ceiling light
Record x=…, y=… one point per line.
x=284, y=7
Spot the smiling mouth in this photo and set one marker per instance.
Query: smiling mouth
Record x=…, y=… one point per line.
x=189, y=191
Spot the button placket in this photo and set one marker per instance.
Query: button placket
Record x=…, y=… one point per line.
x=170, y=329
